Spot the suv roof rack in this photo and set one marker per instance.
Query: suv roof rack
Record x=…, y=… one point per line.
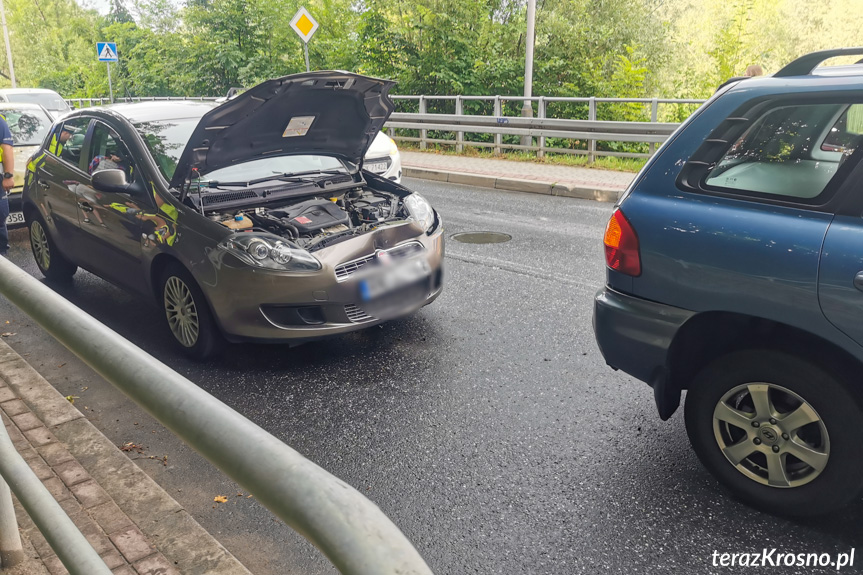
x=804, y=65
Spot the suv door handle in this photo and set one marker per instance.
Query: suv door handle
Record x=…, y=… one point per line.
x=858, y=280
x=44, y=185
x=85, y=207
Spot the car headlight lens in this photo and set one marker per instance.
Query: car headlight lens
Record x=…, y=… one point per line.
x=420, y=210
x=394, y=149
x=269, y=251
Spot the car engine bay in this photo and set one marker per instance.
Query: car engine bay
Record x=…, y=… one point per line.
x=313, y=223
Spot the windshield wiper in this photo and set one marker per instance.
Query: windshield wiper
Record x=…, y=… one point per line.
x=282, y=177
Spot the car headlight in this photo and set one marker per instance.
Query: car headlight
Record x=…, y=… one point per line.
x=420, y=210
x=269, y=251
x=394, y=149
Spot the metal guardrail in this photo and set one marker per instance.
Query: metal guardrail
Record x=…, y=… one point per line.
x=539, y=129
x=351, y=531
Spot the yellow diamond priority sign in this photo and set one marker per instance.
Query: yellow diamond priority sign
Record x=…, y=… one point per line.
x=304, y=25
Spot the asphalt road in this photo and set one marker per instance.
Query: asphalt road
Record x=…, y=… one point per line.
x=487, y=425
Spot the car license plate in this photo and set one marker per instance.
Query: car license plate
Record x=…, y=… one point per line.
x=15, y=218
x=391, y=278
x=376, y=167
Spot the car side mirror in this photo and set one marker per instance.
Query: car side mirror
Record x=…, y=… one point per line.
x=111, y=181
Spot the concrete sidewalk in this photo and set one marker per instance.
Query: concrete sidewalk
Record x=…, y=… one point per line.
x=134, y=525
x=549, y=179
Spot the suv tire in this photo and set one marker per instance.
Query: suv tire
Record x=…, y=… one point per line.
x=737, y=410
x=187, y=313
x=48, y=258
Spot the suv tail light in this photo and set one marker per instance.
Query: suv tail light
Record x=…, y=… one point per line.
x=621, y=245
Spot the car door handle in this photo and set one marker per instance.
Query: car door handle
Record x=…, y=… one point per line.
x=85, y=207
x=44, y=185
x=858, y=280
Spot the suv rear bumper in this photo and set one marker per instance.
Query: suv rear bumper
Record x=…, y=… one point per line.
x=634, y=334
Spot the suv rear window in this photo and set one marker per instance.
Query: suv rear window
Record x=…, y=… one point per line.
x=791, y=151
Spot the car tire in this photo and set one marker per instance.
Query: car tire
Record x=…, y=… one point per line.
x=49, y=260
x=759, y=464
x=187, y=313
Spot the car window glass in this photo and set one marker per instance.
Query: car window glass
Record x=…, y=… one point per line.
x=787, y=152
x=107, y=151
x=50, y=100
x=68, y=140
x=28, y=127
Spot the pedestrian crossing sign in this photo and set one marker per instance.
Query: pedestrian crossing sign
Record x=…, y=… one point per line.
x=107, y=51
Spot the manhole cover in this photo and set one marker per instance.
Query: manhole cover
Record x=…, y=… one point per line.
x=481, y=237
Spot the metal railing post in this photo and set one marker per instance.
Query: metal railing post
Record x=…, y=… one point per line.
x=654, y=114
x=459, y=136
x=72, y=548
x=11, y=551
x=423, y=132
x=591, y=144
x=540, y=112
x=498, y=138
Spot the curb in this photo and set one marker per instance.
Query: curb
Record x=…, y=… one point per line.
x=514, y=185
x=164, y=522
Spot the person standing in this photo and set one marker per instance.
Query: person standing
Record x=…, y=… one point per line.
x=7, y=158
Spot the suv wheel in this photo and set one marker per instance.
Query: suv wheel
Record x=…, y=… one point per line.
x=782, y=433
x=187, y=313
x=51, y=263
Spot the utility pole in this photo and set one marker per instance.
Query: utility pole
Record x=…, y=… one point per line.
x=527, y=108
x=8, y=46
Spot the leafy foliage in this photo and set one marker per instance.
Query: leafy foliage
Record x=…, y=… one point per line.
x=623, y=48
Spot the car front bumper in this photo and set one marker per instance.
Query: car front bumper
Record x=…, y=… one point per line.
x=266, y=306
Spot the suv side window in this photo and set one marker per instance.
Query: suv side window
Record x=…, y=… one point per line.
x=66, y=142
x=107, y=151
x=790, y=151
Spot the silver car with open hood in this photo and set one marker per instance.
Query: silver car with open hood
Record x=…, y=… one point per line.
x=248, y=221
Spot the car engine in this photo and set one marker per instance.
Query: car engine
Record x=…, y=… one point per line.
x=314, y=223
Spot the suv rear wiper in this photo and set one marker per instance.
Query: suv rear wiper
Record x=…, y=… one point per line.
x=285, y=177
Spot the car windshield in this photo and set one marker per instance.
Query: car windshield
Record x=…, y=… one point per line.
x=45, y=99
x=28, y=127
x=167, y=139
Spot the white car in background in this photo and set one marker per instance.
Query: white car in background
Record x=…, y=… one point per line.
x=48, y=99
x=384, y=159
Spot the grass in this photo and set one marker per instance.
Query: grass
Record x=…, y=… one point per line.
x=632, y=165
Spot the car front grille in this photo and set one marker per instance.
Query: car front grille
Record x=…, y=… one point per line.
x=347, y=269
x=356, y=314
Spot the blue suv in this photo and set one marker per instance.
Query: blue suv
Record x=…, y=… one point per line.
x=735, y=272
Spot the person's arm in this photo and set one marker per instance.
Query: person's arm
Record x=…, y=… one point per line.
x=8, y=155
x=8, y=165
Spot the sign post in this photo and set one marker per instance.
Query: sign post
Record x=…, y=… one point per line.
x=305, y=26
x=107, y=52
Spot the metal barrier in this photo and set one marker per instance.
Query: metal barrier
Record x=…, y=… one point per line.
x=498, y=124
x=590, y=130
x=351, y=531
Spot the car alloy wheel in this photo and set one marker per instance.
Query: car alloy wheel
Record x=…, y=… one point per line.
x=39, y=244
x=182, y=312
x=187, y=314
x=51, y=262
x=779, y=430
x=771, y=434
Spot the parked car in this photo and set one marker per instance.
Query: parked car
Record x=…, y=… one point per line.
x=48, y=99
x=735, y=271
x=382, y=158
x=29, y=124
x=249, y=220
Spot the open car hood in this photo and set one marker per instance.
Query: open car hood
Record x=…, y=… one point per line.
x=318, y=113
